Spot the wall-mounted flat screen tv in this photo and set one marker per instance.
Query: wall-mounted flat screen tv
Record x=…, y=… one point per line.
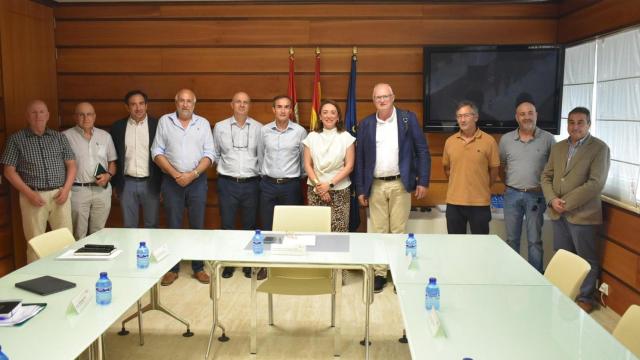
x=495, y=78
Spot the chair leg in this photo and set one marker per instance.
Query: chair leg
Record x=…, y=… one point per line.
x=270, y=309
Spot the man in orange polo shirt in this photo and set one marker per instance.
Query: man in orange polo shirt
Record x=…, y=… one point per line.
x=471, y=160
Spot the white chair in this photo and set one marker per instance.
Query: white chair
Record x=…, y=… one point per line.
x=567, y=272
x=46, y=244
x=628, y=329
x=301, y=281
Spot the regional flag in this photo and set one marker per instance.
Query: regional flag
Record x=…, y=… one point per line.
x=315, y=101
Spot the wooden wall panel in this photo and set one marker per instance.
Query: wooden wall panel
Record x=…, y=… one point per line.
x=28, y=72
x=600, y=17
x=235, y=60
x=306, y=11
x=621, y=263
x=621, y=296
x=622, y=227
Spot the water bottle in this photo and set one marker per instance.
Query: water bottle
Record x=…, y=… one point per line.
x=258, y=243
x=411, y=246
x=142, y=256
x=3, y=356
x=103, y=290
x=432, y=295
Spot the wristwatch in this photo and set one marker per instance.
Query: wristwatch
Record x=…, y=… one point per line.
x=331, y=185
x=195, y=171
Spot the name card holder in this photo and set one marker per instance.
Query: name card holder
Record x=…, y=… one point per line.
x=80, y=301
x=288, y=249
x=160, y=253
x=434, y=323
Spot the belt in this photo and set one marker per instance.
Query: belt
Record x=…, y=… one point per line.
x=34, y=188
x=239, y=180
x=533, y=189
x=280, y=180
x=144, y=178
x=85, y=184
x=388, y=178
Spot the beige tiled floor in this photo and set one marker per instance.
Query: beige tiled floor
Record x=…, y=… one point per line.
x=301, y=328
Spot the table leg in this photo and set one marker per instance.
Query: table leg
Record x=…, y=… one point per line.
x=336, y=313
x=254, y=309
x=214, y=294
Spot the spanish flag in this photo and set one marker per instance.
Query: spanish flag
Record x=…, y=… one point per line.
x=315, y=101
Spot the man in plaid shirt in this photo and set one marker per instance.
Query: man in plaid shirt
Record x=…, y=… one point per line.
x=40, y=164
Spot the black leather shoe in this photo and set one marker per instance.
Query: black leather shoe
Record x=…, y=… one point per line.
x=379, y=283
x=228, y=272
x=247, y=272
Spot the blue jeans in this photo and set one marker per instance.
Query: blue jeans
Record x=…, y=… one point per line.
x=272, y=194
x=133, y=195
x=176, y=199
x=530, y=206
x=233, y=196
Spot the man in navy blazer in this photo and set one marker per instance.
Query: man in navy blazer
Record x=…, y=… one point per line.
x=392, y=160
x=137, y=181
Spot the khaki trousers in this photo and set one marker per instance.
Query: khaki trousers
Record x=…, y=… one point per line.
x=35, y=218
x=389, y=207
x=90, y=206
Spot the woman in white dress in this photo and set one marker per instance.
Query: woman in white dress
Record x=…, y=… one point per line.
x=329, y=156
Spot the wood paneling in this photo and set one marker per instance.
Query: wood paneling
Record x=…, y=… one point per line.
x=235, y=60
x=622, y=227
x=601, y=17
x=621, y=296
x=621, y=263
x=28, y=72
x=305, y=11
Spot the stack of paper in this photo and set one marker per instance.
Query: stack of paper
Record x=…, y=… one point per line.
x=26, y=312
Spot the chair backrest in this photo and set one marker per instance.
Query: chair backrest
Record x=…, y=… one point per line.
x=567, y=272
x=628, y=329
x=302, y=218
x=45, y=244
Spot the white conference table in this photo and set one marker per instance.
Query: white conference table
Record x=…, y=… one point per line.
x=493, y=302
x=460, y=259
x=58, y=332
x=505, y=322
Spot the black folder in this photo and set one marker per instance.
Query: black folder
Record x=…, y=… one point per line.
x=45, y=285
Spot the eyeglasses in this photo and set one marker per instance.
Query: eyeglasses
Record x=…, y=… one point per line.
x=465, y=116
x=242, y=132
x=382, y=97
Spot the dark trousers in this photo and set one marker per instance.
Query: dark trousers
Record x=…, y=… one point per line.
x=193, y=197
x=272, y=194
x=458, y=216
x=135, y=194
x=234, y=196
x=584, y=241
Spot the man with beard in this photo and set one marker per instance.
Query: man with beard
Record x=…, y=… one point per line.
x=523, y=154
x=183, y=149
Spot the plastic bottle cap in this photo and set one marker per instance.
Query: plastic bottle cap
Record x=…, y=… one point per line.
x=143, y=243
x=432, y=280
x=410, y=234
x=257, y=231
x=103, y=274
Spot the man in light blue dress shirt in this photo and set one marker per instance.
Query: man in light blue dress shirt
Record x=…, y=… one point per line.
x=183, y=149
x=281, y=167
x=235, y=147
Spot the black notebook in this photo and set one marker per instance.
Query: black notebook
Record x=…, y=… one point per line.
x=45, y=285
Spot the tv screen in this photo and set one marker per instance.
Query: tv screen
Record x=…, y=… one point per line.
x=495, y=78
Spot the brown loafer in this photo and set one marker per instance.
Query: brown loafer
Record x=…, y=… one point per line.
x=586, y=306
x=262, y=274
x=169, y=278
x=202, y=277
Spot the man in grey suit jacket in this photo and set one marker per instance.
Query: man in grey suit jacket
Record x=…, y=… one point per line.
x=572, y=182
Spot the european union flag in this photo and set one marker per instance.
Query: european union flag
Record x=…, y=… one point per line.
x=351, y=123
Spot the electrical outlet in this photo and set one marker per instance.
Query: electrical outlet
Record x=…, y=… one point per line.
x=604, y=288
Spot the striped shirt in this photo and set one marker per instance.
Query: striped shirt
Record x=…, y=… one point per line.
x=39, y=159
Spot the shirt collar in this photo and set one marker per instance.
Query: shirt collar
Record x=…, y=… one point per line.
x=476, y=135
x=580, y=142
x=275, y=126
x=390, y=120
x=81, y=131
x=133, y=122
x=47, y=131
x=536, y=133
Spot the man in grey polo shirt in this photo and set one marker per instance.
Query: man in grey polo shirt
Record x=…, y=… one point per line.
x=523, y=154
x=91, y=192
